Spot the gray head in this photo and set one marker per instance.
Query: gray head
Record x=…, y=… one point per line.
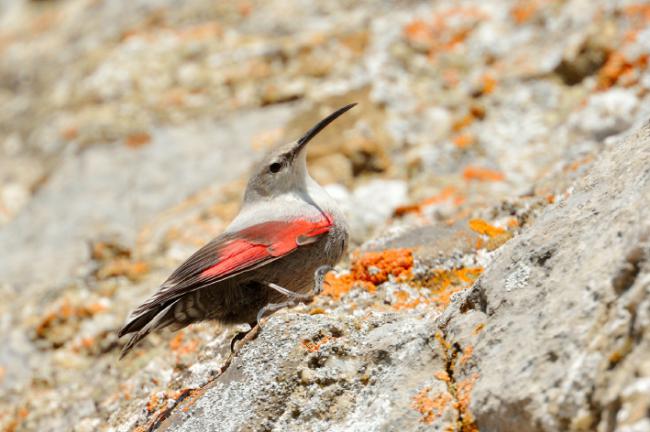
x=284, y=168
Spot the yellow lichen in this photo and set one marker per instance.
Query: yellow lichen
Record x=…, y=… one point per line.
x=482, y=227
x=444, y=283
x=496, y=236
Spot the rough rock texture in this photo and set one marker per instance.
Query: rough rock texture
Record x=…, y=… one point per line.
x=322, y=373
x=497, y=277
x=566, y=309
x=553, y=336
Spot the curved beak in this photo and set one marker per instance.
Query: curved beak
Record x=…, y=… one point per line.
x=302, y=142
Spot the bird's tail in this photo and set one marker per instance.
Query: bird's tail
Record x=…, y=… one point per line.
x=144, y=324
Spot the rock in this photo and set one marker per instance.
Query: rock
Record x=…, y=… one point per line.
x=363, y=210
x=608, y=113
x=325, y=373
x=565, y=309
x=105, y=194
x=333, y=168
x=124, y=143
x=162, y=166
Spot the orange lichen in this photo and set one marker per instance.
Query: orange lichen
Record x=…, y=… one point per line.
x=245, y=8
x=572, y=167
x=446, y=29
x=180, y=346
x=430, y=407
x=405, y=301
x=463, y=122
x=513, y=222
x=463, y=141
x=65, y=311
x=369, y=270
x=615, y=357
x=463, y=399
x=194, y=395
x=468, y=351
x=313, y=346
x=618, y=69
x=419, y=32
x=176, y=342
x=448, y=193
x=482, y=227
x=153, y=403
x=436, y=288
x=69, y=133
x=158, y=405
x=442, y=376
x=316, y=311
x=478, y=329
x=20, y=416
x=116, y=261
x=475, y=112
x=459, y=391
x=444, y=283
x=524, y=11
x=488, y=84
x=87, y=342
x=133, y=270
x=638, y=11
x=137, y=139
x=496, y=236
x=482, y=174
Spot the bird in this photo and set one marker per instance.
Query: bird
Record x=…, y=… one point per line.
x=288, y=234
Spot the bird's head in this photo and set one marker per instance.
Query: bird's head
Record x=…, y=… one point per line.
x=284, y=168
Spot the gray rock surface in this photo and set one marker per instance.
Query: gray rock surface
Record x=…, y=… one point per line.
x=484, y=146
x=566, y=309
x=132, y=184
x=362, y=376
x=553, y=336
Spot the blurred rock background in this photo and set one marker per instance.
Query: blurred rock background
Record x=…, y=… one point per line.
x=495, y=207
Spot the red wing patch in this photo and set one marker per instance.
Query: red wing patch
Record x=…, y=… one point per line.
x=260, y=242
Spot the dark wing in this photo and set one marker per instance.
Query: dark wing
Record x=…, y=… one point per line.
x=226, y=256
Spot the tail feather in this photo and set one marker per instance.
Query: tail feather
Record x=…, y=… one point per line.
x=136, y=322
x=143, y=325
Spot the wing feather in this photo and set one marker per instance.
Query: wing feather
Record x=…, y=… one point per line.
x=229, y=255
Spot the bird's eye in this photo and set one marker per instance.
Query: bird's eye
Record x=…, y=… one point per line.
x=275, y=167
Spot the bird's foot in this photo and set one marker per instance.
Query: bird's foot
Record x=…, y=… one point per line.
x=244, y=336
x=297, y=297
x=319, y=278
x=294, y=297
x=273, y=307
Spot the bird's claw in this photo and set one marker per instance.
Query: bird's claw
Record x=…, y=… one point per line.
x=295, y=298
x=319, y=277
x=242, y=335
x=272, y=307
